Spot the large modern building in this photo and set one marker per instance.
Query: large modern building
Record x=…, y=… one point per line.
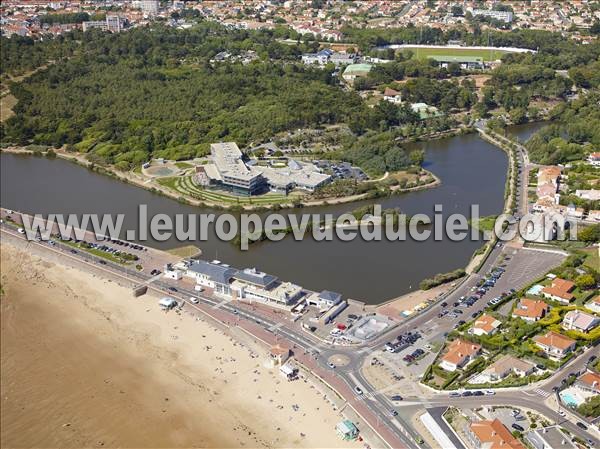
x=149, y=7
x=228, y=169
x=503, y=16
x=114, y=24
x=249, y=283
x=255, y=285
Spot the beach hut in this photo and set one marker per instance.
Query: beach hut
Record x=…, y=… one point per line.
x=347, y=430
x=167, y=303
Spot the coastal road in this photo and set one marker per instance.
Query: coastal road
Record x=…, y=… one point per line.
x=306, y=351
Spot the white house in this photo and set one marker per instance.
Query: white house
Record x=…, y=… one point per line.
x=577, y=320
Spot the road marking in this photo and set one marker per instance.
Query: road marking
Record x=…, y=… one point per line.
x=275, y=326
x=221, y=304
x=542, y=392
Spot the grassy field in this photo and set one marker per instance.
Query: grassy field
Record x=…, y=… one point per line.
x=185, y=186
x=487, y=55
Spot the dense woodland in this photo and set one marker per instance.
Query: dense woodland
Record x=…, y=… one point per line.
x=574, y=134
x=153, y=92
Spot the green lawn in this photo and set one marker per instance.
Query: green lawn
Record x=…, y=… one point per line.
x=487, y=55
x=185, y=186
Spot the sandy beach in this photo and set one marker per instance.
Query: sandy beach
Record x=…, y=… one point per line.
x=84, y=364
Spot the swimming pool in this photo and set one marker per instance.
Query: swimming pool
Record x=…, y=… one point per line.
x=535, y=290
x=570, y=399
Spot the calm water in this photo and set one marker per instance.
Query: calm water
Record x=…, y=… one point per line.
x=471, y=170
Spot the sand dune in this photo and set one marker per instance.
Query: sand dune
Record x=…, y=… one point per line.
x=84, y=364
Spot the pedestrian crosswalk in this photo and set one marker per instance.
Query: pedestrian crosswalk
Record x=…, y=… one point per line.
x=542, y=392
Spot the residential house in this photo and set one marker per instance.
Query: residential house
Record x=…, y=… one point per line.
x=577, y=320
x=551, y=437
x=459, y=353
x=594, y=216
x=594, y=304
x=555, y=345
x=560, y=291
x=574, y=212
x=485, y=325
x=492, y=435
x=505, y=366
x=549, y=175
x=591, y=195
x=589, y=381
x=391, y=95
x=546, y=191
x=594, y=159
x=530, y=309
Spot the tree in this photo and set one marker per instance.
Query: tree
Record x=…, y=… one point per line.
x=590, y=234
x=417, y=157
x=585, y=281
x=457, y=11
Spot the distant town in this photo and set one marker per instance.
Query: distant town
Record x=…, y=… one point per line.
x=322, y=19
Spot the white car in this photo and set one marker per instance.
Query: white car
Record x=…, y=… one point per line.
x=199, y=288
x=21, y=231
x=331, y=365
x=194, y=300
x=490, y=392
x=358, y=390
x=561, y=413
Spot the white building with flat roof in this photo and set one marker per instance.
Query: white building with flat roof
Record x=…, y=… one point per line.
x=228, y=168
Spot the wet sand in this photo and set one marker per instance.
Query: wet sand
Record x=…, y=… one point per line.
x=84, y=364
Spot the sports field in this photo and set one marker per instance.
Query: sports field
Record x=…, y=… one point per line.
x=487, y=55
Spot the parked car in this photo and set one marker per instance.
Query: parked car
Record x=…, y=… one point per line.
x=194, y=300
x=490, y=392
x=581, y=425
x=518, y=427
x=454, y=394
x=467, y=393
x=396, y=397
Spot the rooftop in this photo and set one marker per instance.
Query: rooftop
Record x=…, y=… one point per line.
x=495, y=434
x=555, y=340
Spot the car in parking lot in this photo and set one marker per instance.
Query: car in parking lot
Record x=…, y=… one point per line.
x=396, y=397
x=490, y=392
x=478, y=393
x=454, y=394
x=517, y=427
x=467, y=393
